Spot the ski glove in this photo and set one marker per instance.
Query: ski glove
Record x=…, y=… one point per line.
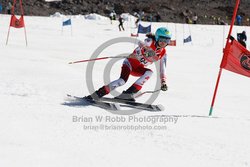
x=164, y=86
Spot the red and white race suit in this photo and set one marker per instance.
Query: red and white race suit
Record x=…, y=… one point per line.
x=145, y=54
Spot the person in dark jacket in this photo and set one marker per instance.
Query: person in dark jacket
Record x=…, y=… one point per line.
x=121, y=23
x=8, y=8
x=242, y=38
x=158, y=17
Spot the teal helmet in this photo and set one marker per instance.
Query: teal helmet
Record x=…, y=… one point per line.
x=162, y=32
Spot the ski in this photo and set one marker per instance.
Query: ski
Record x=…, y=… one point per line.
x=105, y=105
x=101, y=104
x=116, y=104
x=136, y=105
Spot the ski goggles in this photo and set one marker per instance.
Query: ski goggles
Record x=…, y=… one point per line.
x=165, y=40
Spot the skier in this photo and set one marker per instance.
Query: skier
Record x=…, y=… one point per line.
x=148, y=52
x=242, y=37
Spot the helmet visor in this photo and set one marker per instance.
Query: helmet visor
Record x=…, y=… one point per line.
x=165, y=40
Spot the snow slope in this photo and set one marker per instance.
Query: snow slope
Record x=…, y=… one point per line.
x=37, y=119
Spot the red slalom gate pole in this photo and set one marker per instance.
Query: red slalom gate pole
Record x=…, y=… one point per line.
x=220, y=71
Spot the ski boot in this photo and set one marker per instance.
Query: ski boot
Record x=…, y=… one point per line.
x=98, y=94
x=126, y=96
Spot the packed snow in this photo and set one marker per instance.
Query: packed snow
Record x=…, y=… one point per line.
x=41, y=126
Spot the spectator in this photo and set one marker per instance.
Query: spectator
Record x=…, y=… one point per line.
x=187, y=14
x=242, y=38
x=121, y=20
x=138, y=19
x=8, y=8
x=112, y=16
x=195, y=18
x=158, y=17
x=1, y=8
x=142, y=15
x=238, y=20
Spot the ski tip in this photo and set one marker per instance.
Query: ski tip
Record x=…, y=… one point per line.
x=161, y=107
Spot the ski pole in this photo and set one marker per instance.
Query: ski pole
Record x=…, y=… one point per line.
x=153, y=91
x=101, y=58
